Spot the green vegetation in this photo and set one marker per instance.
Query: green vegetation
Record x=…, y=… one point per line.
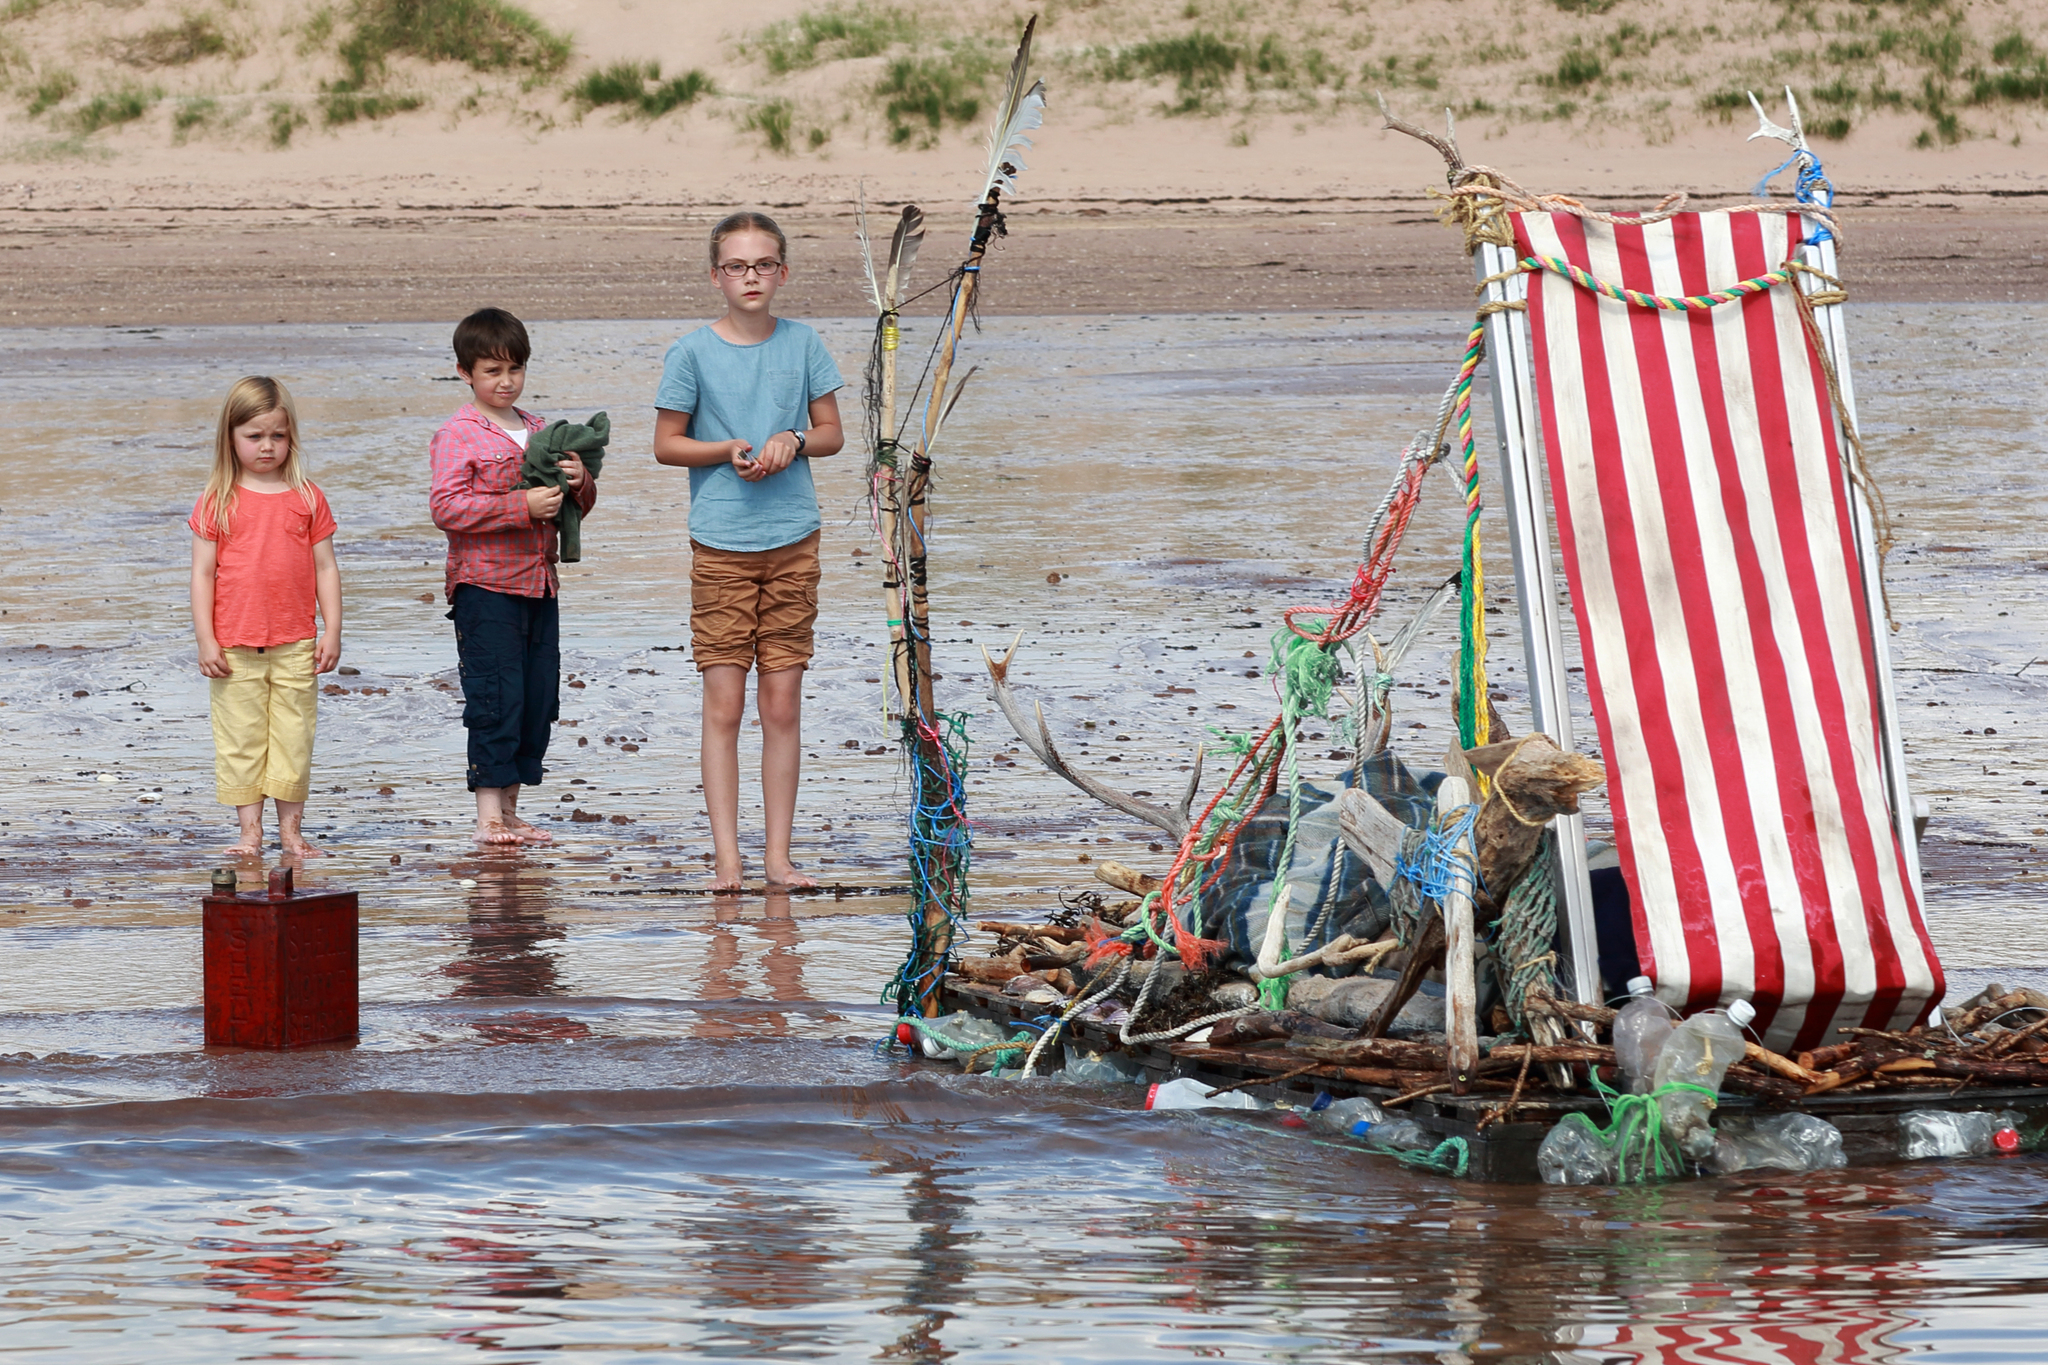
x=1199, y=63
x=339, y=105
x=52, y=88
x=773, y=120
x=1578, y=67
x=285, y=119
x=193, y=37
x=112, y=108
x=190, y=114
x=485, y=35
x=835, y=33
x=921, y=95
x=638, y=87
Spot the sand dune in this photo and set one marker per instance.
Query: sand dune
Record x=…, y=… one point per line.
x=140, y=138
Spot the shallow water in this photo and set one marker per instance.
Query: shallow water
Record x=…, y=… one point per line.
x=596, y=1112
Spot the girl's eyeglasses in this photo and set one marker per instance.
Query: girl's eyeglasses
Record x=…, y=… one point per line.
x=734, y=270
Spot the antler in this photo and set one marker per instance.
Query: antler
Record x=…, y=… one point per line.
x=1446, y=147
x=1793, y=137
x=1038, y=739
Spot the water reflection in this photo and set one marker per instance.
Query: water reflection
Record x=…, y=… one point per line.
x=504, y=936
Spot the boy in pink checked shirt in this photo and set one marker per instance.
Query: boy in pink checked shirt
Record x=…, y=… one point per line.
x=502, y=587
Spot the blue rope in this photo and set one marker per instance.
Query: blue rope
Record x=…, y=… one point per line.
x=1811, y=187
x=1437, y=866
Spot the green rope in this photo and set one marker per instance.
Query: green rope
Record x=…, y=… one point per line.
x=1450, y=1157
x=1635, y=1132
x=1308, y=674
x=1523, y=943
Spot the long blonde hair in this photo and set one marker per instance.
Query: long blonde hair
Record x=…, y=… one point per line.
x=251, y=397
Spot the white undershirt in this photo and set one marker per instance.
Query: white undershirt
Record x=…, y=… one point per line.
x=518, y=437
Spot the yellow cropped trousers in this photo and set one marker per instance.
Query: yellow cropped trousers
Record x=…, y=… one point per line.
x=263, y=724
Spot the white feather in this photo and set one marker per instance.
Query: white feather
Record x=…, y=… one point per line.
x=1022, y=110
x=867, y=254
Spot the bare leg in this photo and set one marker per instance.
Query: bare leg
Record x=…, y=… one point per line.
x=250, y=818
x=725, y=701
x=528, y=832
x=289, y=814
x=491, y=828
x=779, y=700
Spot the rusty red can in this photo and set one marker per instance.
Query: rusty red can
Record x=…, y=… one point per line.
x=280, y=965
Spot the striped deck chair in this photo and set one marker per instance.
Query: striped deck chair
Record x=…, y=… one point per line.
x=1723, y=574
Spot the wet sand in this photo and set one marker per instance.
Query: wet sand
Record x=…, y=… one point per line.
x=95, y=264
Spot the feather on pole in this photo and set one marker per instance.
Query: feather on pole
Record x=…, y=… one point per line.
x=941, y=846
x=867, y=252
x=1021, y=111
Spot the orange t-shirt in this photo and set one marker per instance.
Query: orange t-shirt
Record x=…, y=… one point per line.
x=263, y=590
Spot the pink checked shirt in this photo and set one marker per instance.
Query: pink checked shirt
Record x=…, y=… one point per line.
x=492, y=542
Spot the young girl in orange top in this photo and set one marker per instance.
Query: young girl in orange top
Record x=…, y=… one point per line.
x=262, y=558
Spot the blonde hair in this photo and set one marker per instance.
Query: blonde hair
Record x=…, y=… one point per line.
x=251, y=397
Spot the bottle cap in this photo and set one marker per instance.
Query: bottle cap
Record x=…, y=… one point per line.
x=2006, y=1140
x=905, y=1034
x=1741, y=1011
x=1641, y=985
x=1362, y=1128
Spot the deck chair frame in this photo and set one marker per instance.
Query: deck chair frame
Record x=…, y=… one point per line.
x=1531, y=538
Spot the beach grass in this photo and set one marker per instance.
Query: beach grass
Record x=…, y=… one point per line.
x=638, y=88
x=112, y=108
x=194, y=36
x=485, y=35
x=838, y=32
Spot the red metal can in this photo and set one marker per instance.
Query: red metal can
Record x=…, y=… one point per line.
x=280, y=966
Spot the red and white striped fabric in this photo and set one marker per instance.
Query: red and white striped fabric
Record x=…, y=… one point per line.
x=1706, y=531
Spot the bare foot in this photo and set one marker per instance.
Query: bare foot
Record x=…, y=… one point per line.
x=295, y=843
x=728, y=878
x=494, y=833
x=790, y=878
x=250, y=846
x=528, y=832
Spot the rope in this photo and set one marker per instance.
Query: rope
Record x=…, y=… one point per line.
x=1635, y=1131
x=1080, y=1002
x=1528, y=929
x=941, y=849
x=1470, y=697
x=1451, y=1157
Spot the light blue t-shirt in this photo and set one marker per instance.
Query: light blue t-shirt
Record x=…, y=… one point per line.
x=748, y=393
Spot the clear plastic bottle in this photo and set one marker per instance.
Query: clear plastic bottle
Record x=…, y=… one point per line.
x=1930, y=1132
x=1784, y=1142
x=1185, y=1092
x=1639, y=1033
x=1353, y=1117
x=1698, y=1053
x=1403, y=1133
x=1575, y=1153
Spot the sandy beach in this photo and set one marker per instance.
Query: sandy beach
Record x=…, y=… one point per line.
x=164, y=167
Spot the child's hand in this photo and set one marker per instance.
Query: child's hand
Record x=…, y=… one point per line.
x=327, y=654
x=776, y=453
x=213, y=662
x=543, y=503
x=743, y=464
x=571, y=465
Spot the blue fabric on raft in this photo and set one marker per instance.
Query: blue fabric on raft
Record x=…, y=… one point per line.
x=1333, y=891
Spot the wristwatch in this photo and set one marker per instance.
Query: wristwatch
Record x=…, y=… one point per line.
x=799, y=440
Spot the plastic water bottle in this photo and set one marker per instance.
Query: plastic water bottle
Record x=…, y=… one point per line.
x=1639, y=1033
x=1785, y=1142
x=1925, y=1133
x=1353, y=1117
x=1699, y=1052
x=1185, y=1092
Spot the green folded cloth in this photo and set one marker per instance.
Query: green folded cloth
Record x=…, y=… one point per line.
x=543, y=469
